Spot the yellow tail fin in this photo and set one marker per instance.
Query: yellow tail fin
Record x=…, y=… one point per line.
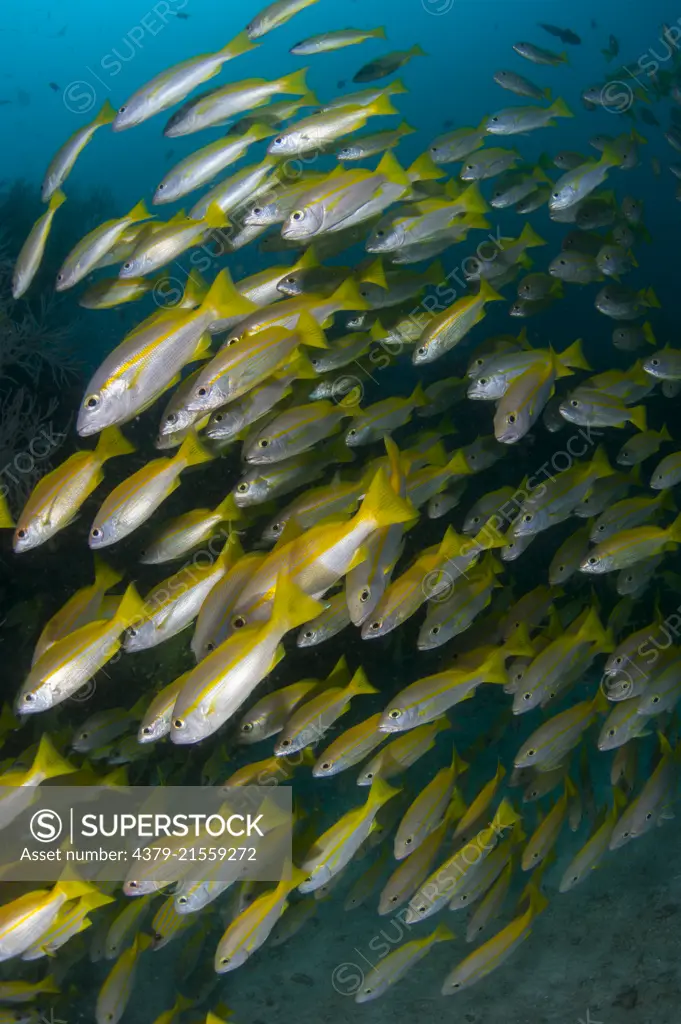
x=383, y=506
x=48, y=762
x=192, y=452
x=292, y=606
x=295, y=83
x=111, y=443
x=105, y=576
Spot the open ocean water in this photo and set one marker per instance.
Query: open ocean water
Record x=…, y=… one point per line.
x=608, y=950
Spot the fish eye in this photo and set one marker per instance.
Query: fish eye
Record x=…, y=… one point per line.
x=483, y=381
x=422, y=351
x=160, y=187
x=29, y=698
x=95, y=533
x=654, y=362
x=219, y=417
x=202, y=392
x=257, y=210
x=182, y=901
x=242, y=488
x=531, y=753
x=495, y=119
x=574, y=403
x=593, y=561
x=395, y=713
x=611, y=732
x=528, y=518
x=561, y=568
x=21, y=534
x=92, y=401
x=278, y=141
x=649, y=816
x=308, y=634
x=326, y=766
x=263, y=442
x=380, y=233
x=352, y=432
x=435, y=630
x=171, y=417
x=122, y=110
x=369, y=775
x=232, y=341
x=655, y=700
x=247, y=727
x=297, y=215
x=512, y=418
x=127, y=265
x=239, y=622
x=147, y=730
x=210, y=646
x=224, y=960
x=365, y=595
x=179, y=723
x=556, y=195
x=132, y=631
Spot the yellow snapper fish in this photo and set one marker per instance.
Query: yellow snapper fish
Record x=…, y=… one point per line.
x=27, y=991
x=274, y=15
x=85, y=606
x=189, y=531
x=217, y=105
x=272, y=771
x=631, y=546
x=378, y=420
x=71, y=920
x=181, y=1004
x=202, y=166
x=335, y=40
x=18, y=785
x=109, y=292
x=220, y=684
x=429, y=697
x=238, y=368
x=412, y=871
x=155, y=723
x=214, y=623
x=447, y=329
x=346, y=198
x=338, y=845
x=295, y=431
x=157, y=248
x=482, y=880
x=310, y=722
x=403, y=752
x=545, y=836
x=63, y=161
x=351, y=747
x=496, y=950
x=174, y=84
x=320, y=556
x=397, y=963
x=455, y=874
x=653, y=805
x=116, y=991
x=150, y=358
x=478, y=808
x=595, y=847
x=32, y=251
x=294, y=919
x=429, y=575
x=427, y=812
x=85, y=256
x=323, y=128
x=104, y=726
x=241, y=188
x=310, y=508
x=173, y=605
x=71, y=661
x=270, y=714
x=491, y=904
x=58, y=496
x=250, y=930
x=551, y=743
x=132, y=502
x=468, y=598
x=167, y=924
x=24, y=920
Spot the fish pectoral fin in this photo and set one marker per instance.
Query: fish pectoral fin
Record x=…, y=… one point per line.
x=360, y=555
x=279, y=654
